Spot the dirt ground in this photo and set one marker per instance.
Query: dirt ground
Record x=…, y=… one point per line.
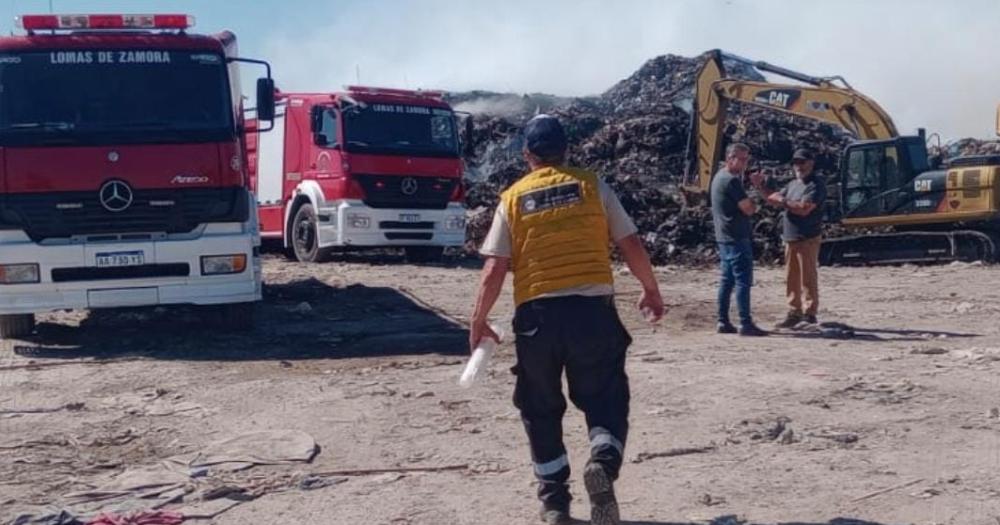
x=898, y=424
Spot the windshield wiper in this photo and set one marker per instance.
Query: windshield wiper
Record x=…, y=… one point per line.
x=358, y=143
x=56, y=126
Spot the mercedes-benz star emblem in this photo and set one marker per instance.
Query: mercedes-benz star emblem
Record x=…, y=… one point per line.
x=115, y=196
x=409, y=186
x=113, y=156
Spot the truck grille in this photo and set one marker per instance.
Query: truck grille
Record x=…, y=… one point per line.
x=386, y=191
x=66, y=214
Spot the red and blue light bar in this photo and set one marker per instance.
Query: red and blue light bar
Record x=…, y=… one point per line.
x=105, y=21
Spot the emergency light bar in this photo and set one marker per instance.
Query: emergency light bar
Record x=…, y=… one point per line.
x=98, y=22
x=398, y=92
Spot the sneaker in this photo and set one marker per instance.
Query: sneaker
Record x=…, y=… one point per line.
x=556, y=517
x=791, y=320
x=809, y=318
x=725, y=328
x=751, y=330
x=600, y=488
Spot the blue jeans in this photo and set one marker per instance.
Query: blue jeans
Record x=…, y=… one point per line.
x=736, y=264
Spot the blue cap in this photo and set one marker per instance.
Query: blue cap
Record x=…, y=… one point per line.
x=544, y=136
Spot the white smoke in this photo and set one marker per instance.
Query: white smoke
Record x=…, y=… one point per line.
x=928, y=62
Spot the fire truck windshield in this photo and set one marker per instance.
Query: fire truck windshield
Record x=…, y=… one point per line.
x=400, y=130
x=94, y=97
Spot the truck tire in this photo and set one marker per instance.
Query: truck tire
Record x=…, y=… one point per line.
x=17, y=325
x=233, y=316
x=424, y=254
x=305, y=236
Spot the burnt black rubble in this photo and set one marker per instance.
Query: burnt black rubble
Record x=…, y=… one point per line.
x=634, y=135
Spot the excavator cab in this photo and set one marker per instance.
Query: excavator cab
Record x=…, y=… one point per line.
x=876, y=176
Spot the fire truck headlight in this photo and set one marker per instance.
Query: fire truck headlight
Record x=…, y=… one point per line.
x=223, y=264
x=455, y=222
x=19, y=273
x=358, y=221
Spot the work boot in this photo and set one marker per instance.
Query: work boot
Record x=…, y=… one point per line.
x=725, y=328
x=810, y=318
x=791, y=320
x=752, y=330
x=556, y=516
x=600, y=488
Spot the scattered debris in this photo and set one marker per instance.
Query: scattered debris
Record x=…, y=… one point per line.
x=844, y=438
x=157, y=517
x=760, y=430
x=882, y=393
x=929, y=350
x=313, y=482
x=401, y=470
x=72, y=407
x=709, y=500
x=927, y=493
x=674, y=452
x=877, y=493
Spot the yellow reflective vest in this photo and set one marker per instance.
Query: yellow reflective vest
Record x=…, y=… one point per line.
x=559, y=232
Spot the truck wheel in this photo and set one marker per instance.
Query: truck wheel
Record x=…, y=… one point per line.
x=17, y=325
x=233, y=316
x=305, y=236
x=424, y=254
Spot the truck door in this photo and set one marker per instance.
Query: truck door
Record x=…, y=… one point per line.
x=325, y=163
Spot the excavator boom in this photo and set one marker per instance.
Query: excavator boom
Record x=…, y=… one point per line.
x=820, y=100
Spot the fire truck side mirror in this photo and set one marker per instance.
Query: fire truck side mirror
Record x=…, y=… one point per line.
x=265, y=99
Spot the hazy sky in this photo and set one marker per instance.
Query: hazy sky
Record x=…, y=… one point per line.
x=930, y=63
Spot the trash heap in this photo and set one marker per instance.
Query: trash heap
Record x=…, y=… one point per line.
x=634, y=135
x=965, y=148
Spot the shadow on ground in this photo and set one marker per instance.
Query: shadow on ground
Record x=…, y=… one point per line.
x=856, y=333
x=305, y=319
x=733, y=520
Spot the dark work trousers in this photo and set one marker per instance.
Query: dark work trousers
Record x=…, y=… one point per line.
x=583, y=336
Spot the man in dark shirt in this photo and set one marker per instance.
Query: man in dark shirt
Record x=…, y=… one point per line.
x=802, y=223
x=731, y=212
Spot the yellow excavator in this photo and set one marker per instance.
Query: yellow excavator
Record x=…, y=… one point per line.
x=903, y=206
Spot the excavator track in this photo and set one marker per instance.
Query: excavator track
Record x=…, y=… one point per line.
x=910, y=247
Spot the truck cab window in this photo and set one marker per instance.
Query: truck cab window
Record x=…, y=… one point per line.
x=327, y=135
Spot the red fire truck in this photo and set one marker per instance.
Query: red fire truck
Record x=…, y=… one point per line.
x=366, y=167
x=123, y=177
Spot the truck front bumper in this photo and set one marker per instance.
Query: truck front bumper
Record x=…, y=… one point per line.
x=352, y=223
x=81, y=285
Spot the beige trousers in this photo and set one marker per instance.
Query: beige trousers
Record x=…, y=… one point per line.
x=801, y=261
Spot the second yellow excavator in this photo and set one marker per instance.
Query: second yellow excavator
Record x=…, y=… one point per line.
x=909, y=207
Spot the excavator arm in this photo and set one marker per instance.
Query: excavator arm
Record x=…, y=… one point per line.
x=820, y=100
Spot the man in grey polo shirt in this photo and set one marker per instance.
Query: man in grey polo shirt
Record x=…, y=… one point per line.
x=802, y=223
